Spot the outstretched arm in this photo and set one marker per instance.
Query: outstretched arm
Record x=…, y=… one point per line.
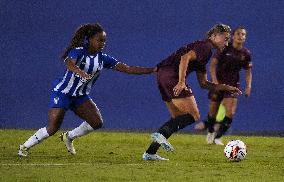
x=248, y=82
x=205, y=84
x=122, y=67
x=203, y=81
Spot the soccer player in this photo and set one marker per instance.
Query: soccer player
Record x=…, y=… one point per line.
x=84, y=61
x=225, y=67
x=177, y=95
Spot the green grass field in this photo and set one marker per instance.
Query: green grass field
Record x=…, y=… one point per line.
x=116, y=156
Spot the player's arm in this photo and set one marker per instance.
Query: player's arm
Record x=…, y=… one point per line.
x=205, y=84
x=191, y=55
x=122, y=67
x=248, y=73
x=213, y=64
x=71, y=65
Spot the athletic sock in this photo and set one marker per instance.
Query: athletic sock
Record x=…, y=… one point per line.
x=209, y=123
x=225, y=125
x=81, y=130
x=173, y=125
x=40, y=135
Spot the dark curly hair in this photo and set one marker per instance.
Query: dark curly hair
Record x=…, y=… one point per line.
x=83, y=33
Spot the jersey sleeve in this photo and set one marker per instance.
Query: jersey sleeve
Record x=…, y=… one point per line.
x=108, y=61
x=217, y=55
x=248, y=63
x=74, y=53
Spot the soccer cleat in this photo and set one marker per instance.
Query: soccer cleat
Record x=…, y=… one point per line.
x=153, y=157
x=23, y=151
x=218, y=141
x=159, y=138
x=68, y=143
x=210, y=137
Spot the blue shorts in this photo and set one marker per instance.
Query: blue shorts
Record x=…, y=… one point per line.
x=64, y=101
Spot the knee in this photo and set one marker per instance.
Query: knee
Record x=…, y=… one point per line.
x=99, y=124
x=96, y=124
x=196, y=116
x=230, y=114
x=52, y=130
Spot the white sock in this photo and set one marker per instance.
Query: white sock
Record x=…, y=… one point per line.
x=81, y=130
x=40, y=135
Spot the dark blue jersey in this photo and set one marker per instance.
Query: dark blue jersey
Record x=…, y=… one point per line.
x=71, y=83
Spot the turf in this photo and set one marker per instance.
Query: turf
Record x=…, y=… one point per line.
x=116, y=156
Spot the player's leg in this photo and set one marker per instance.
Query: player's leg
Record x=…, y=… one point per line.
x=183, y=112
x=89, y=112
x=55, y=118
x=214, y=103
x=91, y=115
x=215, y=99
x=211, y=118
x=211, y=121
x=230, y=105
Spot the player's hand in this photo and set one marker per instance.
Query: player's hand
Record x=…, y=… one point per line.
x=215, y=81
x=84, y=76
x=233, y=90
x=179, y=88
x=247, y=91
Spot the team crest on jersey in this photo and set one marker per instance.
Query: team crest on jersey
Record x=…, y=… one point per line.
x=243, y=57
x=55, y=100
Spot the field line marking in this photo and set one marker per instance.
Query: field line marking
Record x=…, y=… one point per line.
x=65, y=164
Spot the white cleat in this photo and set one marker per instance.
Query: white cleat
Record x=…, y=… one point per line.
x=218, y=141
x=210, y=137
x=23, y=151
x=153, y=157
x=68, y=143
x=159, y=138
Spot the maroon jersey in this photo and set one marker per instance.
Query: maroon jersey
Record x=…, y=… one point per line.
x=168, y=69
x=203, y=51
x=230, y=62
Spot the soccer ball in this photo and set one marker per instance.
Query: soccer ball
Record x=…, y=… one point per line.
x=235, y=150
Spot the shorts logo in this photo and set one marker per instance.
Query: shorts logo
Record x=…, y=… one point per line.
x=56, y=99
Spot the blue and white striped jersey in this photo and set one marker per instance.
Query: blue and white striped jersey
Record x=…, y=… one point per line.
x=71, y=83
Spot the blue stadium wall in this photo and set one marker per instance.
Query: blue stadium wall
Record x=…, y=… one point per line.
x=33, y=34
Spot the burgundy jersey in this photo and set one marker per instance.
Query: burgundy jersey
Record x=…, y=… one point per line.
x=203, y=51
x=230, y=62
